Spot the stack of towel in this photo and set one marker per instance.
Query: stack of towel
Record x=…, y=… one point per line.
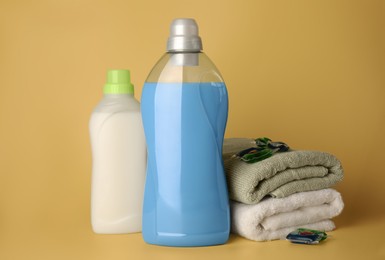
x=273, y=197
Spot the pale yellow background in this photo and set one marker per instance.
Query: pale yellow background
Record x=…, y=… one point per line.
x=311, y=73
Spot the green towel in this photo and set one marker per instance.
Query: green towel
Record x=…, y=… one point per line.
x=278, y=176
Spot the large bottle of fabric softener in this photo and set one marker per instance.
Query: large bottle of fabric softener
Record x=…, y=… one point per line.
x=184, y=110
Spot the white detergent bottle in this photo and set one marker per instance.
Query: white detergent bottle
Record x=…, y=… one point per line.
x=118, y=158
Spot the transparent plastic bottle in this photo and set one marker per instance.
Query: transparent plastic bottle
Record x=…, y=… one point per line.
x=184, y=109
x=118, y=158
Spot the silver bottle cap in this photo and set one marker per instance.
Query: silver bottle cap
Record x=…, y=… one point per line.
x=184, y=36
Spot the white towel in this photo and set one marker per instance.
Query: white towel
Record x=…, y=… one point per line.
x=274, y=218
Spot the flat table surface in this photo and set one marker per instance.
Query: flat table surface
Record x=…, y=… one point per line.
x=356, y=237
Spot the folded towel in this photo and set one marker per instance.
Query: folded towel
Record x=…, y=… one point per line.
x=274, y=218
x=278, y=176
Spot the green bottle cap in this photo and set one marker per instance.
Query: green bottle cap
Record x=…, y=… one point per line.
x=118, y=82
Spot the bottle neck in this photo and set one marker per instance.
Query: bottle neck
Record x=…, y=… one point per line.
x=184, y=58
x=120, y=95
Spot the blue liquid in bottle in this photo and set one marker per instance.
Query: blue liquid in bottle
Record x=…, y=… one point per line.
x=184, y=109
